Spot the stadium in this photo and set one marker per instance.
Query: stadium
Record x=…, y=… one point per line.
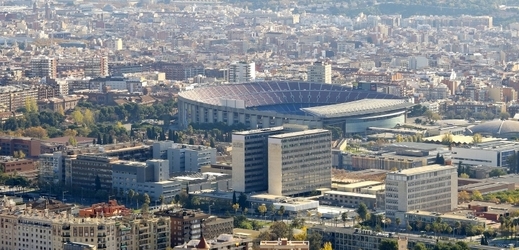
x=274, y=103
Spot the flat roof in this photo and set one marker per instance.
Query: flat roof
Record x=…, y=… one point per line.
x=360, y=184
x=351, y=194
x=359, y=107
x=461, y=139
x=299, y=133
x=258, y=131
x=420, y=170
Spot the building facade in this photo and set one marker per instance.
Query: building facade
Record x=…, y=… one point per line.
x=184, y=157
x=284, y=244
x=320, y=72
x=87, y=168
x=240, y=72
x=431, y=188
x=250, y=159
x=299, y=162
x=151, y=177
x=96, y=66
x=44, y=66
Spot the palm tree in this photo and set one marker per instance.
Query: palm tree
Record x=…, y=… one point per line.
x=281, y=211
x=131, y=194
x=457, y=226
x=344, y=217
x=263, y=210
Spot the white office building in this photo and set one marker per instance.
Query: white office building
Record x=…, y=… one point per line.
x=320, y=72
x=240, y=72
x=493, y=153
x=299, y=162
x=432, y=188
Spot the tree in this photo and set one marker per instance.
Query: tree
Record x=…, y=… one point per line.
x=447, y=139
x=344, y=218
x=279, y=229
x=131, y=194
x=327, y=246
x=262, y=209
x=72, y=141
x=69, y=132
x=235, y=207
x=161, y=199
x=77, y=116
x=476, y=195
x=234, y=199
x=362, y=211
x=464, y=175
x=476, y=139
x=388, y=245
x=19, y=154
x=242, y=201
x=419, y=246
x=463, y=196
x=316, y=240
x=398, y=221
x=99, y=140
x=88, y=117
x=35, y=132
x=146, y=198
x=504, y=115
x=191, y=141
x=496, y=172
x=145, y=208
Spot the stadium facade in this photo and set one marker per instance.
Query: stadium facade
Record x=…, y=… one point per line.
x=274, y=103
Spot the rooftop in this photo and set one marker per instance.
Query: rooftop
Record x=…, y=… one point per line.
x=359, y=107
x=421, y=170
x=351, y=194
x=299, y=133
x=258, y=131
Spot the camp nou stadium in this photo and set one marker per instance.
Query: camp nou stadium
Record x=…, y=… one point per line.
x=274, y=103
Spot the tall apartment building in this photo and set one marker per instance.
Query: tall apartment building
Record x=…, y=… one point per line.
x=13, y=97
x=86, y=168
x=184, y=157
x=96, y=66
x=320, y=72
x=114, y=44
x=240, y=72
x=250, y=159
x=432, y=188
x=299, y=162
x=51, y=168
x=180, y=71
x=44, y=66
x=151, y=177
x=186, y=225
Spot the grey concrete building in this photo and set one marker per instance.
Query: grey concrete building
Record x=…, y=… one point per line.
x=184, y=157
x=431, y=188
x=250, y=159
x=151, y=177
x=299, y=162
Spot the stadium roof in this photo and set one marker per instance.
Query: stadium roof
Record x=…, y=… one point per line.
x=359, y=107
